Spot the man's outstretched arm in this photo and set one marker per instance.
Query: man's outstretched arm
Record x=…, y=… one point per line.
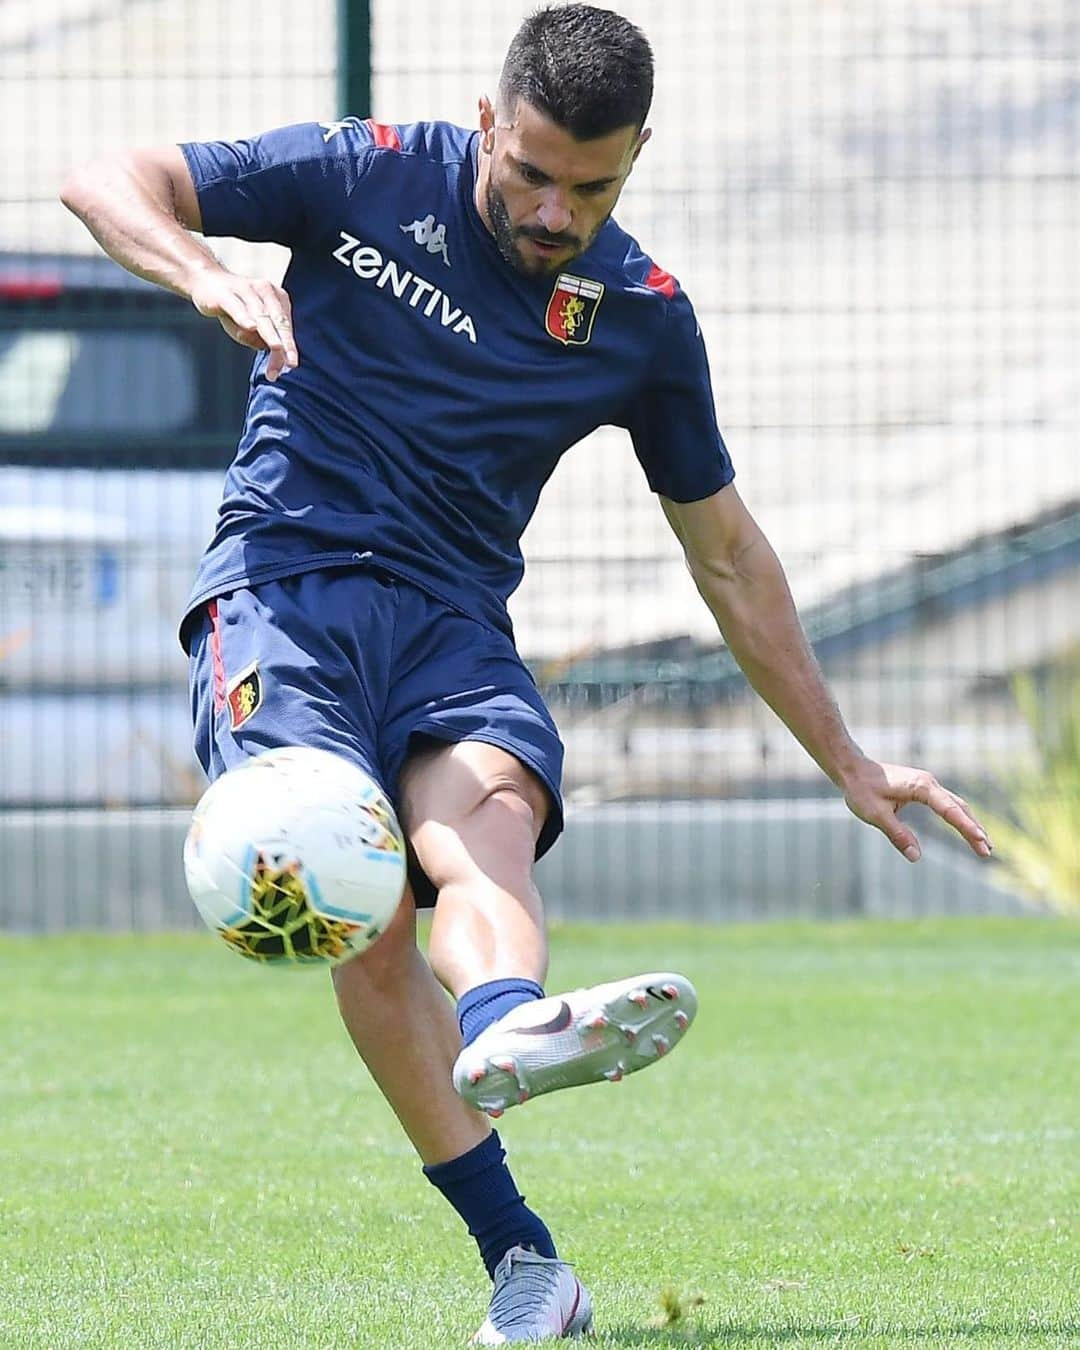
x=742, y=582
x=141, y=207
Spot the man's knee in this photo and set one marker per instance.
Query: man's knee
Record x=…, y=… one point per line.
x=469, y=804
x=507, y=805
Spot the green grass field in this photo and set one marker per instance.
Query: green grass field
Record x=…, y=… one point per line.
x=871, y=1136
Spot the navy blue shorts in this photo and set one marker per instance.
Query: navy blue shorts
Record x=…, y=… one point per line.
x=359, y=662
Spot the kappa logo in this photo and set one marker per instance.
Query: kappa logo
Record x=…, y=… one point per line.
x=572, y=309
x=335, y=128
x=368, y=264
x=429, y=235
x=244, y=695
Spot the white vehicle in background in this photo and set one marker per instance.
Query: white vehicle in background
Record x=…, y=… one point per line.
x=119, y=410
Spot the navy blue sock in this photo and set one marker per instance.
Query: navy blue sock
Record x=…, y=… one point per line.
x=481, y=1189
x=478, y=1007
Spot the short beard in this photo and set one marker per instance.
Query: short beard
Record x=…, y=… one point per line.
x=506, y=239
x=504, y=231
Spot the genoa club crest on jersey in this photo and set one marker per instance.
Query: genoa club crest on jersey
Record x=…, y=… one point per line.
x=244, y=696
x=572, y=309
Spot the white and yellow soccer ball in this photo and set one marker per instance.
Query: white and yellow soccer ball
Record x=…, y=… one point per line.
x=295, y=858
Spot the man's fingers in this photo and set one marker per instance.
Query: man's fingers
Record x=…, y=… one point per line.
x=954, y=811
x=902, y=839
x=281, y=313
x=275, y=317
x=283, y=323
x=260, y=330
x=882, y=815
x=272, y=340
x=236, y=319
x=261, y=318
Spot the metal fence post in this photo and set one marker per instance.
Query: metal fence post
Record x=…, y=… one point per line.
x=354, y=58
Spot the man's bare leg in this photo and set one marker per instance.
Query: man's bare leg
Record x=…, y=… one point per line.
x=474, y=832
x=404, y=1029
x=474, y=814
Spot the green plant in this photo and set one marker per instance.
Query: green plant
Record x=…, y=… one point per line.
x=1037, y=838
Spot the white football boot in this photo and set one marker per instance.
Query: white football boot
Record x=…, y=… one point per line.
x=534, y=1297
x=586, y=1036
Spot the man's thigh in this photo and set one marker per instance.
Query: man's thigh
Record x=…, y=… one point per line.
x=465, y=714
x=272, y=665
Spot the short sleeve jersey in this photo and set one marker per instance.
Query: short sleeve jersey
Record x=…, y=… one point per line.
x=437, y=386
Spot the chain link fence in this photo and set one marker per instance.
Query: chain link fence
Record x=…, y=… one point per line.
x=874, y=207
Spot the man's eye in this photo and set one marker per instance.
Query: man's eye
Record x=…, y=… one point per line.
x=532, y=175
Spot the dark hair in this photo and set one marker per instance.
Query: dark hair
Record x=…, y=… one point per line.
x=589, y=70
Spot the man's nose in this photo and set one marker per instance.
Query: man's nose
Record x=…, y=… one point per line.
x=555, y=215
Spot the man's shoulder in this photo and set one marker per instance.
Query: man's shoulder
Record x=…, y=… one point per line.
x=441, y=142
x=436, y=142
x=619, y=259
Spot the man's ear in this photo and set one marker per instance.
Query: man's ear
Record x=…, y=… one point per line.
x=645, y=134
x=487, y=125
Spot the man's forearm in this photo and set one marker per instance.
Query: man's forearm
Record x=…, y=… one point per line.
x=128, y=207
x=141, y=209
x=752, y=605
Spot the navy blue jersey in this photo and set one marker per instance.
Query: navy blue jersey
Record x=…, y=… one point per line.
x=437, y=387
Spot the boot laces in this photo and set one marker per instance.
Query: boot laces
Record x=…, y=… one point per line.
x=524, y=1281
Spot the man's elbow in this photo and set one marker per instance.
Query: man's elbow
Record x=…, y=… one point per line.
x=748, y=570
x=711, y=571
x=74, y=189
x=83, y=182
x=97, y=178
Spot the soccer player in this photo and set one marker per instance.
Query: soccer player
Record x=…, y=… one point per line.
x=459, y=309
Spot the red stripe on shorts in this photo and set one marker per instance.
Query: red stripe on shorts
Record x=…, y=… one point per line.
x=383, y=135
x=215, y=657
x=659, y=280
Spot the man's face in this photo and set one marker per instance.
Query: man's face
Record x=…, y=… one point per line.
x=546, y=194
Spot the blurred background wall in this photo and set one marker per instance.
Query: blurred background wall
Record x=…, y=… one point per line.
x=874, y=207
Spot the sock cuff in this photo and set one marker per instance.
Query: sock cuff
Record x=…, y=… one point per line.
x=480, y=994
x=484, y=1003
x=489, y=1152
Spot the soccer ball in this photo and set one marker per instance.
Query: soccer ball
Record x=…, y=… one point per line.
x=295, y=858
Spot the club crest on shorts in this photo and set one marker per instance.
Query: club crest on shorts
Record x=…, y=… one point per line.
x=572, y=309
x=244, y=695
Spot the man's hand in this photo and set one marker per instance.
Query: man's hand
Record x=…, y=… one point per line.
x=876, y=792
x=253, y=312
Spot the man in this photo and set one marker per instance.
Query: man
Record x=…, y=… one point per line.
x=459, y=309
